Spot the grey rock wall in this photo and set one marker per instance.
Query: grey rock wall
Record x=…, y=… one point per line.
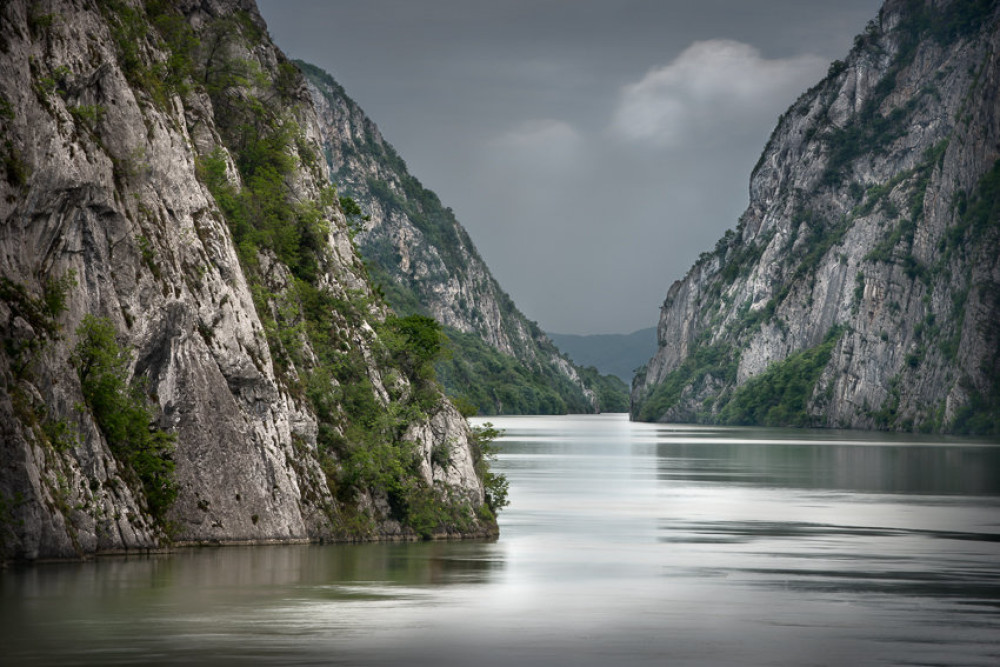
x=113, y=198
x=858, y=217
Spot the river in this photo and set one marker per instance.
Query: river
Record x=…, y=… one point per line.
x=624, y=544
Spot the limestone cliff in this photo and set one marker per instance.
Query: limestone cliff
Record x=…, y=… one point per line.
x=426, y=262
x=170, y=247
x=861, y=287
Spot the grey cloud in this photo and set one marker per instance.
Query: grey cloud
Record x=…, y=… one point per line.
x=548, y=142
x=513, y=113
x=711, y=84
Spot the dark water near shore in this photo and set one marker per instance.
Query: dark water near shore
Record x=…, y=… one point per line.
x=624, y=544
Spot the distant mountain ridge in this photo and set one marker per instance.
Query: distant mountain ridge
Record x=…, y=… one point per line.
x=617, y=354
x=426, y=263
x=861, y=287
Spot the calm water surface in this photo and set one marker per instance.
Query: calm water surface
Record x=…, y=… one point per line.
x=624, y=544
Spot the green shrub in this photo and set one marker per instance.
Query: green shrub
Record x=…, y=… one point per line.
x=415, y=342
x=484, y=454
x=980, y=211
x=612, y=392
x=180, y=41
x=859, y=292
x=717, y=362
x=6, y=109
x=496, y=383
x=18, y=171
x=39, y=23
x=40, y=313
x=88, y=115
x=981, y=415
x=56, y=292
x=355, y=216
x=61, y=434
x=779, y=396
x=122, y=413
x=476, y=373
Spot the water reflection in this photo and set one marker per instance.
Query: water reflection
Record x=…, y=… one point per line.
x=754, y=457
x=625, y=543
x=222, y=601
x=200, y=571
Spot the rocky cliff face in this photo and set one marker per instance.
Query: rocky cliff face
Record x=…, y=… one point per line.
x=861, y=287
x=426, y=262
x=161, y=184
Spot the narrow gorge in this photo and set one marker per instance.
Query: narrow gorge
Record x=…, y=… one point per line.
x=501, y=362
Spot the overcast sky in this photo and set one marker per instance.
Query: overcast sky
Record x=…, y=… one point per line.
x=592, y=148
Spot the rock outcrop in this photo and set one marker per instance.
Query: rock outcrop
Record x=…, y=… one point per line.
x=860, y=288
x=161, y=180
x=426, y=262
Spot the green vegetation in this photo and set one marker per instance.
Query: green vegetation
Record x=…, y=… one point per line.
x=17, y=170
x=422, y=206
x=39, y=23
x=132, y=34
x=707, y=365
x=122, y=413
x=42, y=314
x=978, y=217
x=260, y=214
x=88, y=115
x=12, y=162
x=416, y=342
x=738, y=258
x=497, y=383
x=887, y=415
x=871, y=131
x=977, y=214
x=362, y=444
x=181, y=45
x=399, y=296
x=355, y=216
x=812, y=238
x=6, y=109
x=916, y=180
x=476, y=374
x=612, y=392
x=484, y=453
x=492, y=383
x=129, y=29
x=779, y=396
x=981, y=416
x=859, y=292
x=820, y=237
x=948, y=23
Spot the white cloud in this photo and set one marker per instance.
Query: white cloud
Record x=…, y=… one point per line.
x=545, y=144
x=543, y=133
x=710, y=86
